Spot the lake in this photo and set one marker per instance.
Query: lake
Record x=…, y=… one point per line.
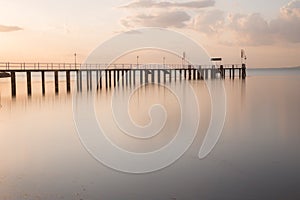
x=42, y=155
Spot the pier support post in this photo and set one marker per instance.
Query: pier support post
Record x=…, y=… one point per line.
x=244, y=71
x=130, y=76
x=109, y=78
x=56, y=82
x=106, y=79
x=79, y=80
x=222, y=71
x=170, y=75
x=158, y=75
x=122, y=74
x=206, y=74
x=91, y=79
x=28, y=83
x=133, y=76
x=115, y=77
x=152, y=76
x=233, y=70
x=68, y=81
x=100, y=79
x=87, y=80
x=13, y=83
x=190, y=72
x=43, y=82
x=97, y=79
x=141, y=76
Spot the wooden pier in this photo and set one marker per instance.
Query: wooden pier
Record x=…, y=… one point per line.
x=118, y=74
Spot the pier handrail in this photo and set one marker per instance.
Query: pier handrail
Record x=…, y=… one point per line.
x=86, y=66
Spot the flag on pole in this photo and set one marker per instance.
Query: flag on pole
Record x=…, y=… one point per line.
x=242, y=53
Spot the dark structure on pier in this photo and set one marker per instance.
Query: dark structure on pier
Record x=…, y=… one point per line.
x=124, y=74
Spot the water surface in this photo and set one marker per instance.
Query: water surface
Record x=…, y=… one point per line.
x=257, y=156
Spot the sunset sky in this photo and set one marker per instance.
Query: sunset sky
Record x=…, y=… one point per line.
x=52, y=30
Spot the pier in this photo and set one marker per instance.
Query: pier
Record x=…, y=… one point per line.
x=117, y=74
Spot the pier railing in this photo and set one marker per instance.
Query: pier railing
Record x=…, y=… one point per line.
x=9, y=66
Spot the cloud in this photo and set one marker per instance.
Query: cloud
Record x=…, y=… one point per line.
x=209, y=22
x=251, y=29
x=4, y=28
x=167, y=4
x=176, y=19
x=287, y=25
x=227, y=28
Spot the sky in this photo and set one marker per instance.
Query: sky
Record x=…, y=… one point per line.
x=52, y=30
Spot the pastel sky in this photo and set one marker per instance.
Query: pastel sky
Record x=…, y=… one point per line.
x=52, y=30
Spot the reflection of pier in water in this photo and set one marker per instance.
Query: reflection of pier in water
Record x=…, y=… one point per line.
x=116, y=74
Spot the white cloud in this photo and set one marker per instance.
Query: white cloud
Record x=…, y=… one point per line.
x=252, y=29
x=176, y=19
x=240, y=29
x=4, y=28
x=209, y=22
x=168, y=4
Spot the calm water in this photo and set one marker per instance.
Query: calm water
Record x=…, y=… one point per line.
x=256, y=157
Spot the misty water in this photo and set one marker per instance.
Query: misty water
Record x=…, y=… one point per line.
x=256, y=157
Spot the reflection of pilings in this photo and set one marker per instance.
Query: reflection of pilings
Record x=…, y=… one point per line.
x=28, y=83
x=56, y=82
x=13, y=83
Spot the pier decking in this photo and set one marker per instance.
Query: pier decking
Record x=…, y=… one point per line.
x=112, y=75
